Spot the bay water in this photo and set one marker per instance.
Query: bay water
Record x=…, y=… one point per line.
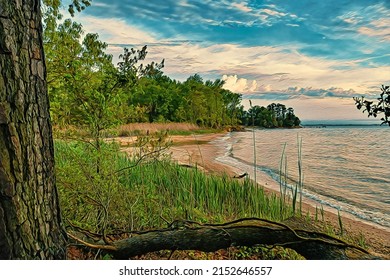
x=345, y=169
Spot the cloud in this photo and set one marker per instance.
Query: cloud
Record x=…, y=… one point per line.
x=316, y=109
x=248, y=69
x=274, y=13
x=371, y=21
x=269, y=93
x=242, y=7
x=116, y=31
x=102, y=5
x=350, y=18
x=322, y=93
x=378, y=28
x=293, y=25
x=239, y=85
x=184, y=3
x=173, y=14
x=269, y=88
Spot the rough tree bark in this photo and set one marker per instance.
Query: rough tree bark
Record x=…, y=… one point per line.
x=30, y=223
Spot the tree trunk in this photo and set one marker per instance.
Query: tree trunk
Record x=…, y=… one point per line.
x=186, y=235
x=30, y=223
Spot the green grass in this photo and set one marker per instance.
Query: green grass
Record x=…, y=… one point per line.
x=125, y=194
x=148, y=194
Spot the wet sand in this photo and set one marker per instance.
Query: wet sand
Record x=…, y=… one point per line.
x=202, y=151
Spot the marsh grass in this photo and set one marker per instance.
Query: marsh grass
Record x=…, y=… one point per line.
x=135, y=129
x=129, y=195
x=151, y=192
x=192, y=195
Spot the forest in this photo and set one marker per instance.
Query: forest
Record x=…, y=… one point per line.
x=86, y=88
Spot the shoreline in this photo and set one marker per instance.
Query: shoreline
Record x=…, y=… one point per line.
x=202, y=151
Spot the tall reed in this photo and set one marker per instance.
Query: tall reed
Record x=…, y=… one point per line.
x=283, y=175
x=300, y=172
x=296, y=186
x=340, y=222
x=254, y=144
x=152, y=192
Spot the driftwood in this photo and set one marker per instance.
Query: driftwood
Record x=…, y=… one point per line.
x=187, y=235
x=240, y=176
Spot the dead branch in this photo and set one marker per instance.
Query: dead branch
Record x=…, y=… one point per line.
x=188, y=235
x=240, y=176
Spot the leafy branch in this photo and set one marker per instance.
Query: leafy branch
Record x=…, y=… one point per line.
x=374, y=109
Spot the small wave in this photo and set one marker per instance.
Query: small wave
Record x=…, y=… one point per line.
x=336, y=203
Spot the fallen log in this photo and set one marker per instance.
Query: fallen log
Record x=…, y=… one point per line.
x=187, y=235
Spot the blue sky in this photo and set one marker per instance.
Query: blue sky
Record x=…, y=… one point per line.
x=308, y=54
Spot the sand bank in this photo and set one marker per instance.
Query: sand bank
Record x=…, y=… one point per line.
x=202, y=151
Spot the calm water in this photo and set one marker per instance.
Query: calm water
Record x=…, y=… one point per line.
x=344, y=168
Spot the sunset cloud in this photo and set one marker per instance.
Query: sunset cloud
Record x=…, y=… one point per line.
x=265, y=51
x=242, y=7
x=379, y=28
x=239, y=85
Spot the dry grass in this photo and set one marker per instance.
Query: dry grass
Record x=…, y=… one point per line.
x=142, y=128
x=154, y=127
x=135, y=129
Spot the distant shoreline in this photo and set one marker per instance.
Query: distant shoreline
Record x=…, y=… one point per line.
x=335, y=125
x=368, y=122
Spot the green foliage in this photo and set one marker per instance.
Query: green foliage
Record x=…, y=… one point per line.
x=378, y=108
x=133, y=194
x=90, y=199
x=206, y=104
x=52, y=7
x=96, y=198
x=274, y=115
x=79, y=5
x=265, y=253
x=86, y=89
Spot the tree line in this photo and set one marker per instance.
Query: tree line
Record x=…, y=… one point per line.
x=272, y=116
x=86, y=88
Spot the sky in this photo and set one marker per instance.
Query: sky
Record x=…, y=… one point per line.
x=314, y=56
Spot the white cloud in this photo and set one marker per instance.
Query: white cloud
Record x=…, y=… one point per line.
x=99, y=4
x=264, y=88
x=246, y=69
x=115, y=31
x=184, y=3
x=372, y=21
x=293, y=25
x=377, y=28
x=242, y=7
x=272, y=13
x=239, y=85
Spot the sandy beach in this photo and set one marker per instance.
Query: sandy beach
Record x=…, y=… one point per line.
x=200, y=150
